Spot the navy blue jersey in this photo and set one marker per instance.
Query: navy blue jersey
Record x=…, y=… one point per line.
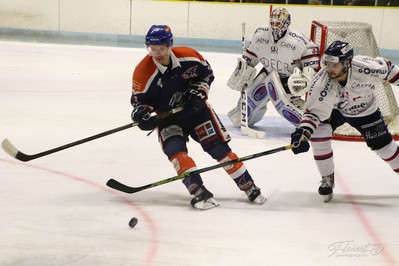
x=161, y=88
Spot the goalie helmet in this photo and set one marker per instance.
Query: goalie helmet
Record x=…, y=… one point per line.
x=338, y=52
x=159, y=35
x=280, y=20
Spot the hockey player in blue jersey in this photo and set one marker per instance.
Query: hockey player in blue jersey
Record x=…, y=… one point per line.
x=169, y=77
x=343, y=91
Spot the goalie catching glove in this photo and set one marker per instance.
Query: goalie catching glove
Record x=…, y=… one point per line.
x=242, y=76
x=196, y=95
x=299, y=82
x=142, y=116
x=300, y=139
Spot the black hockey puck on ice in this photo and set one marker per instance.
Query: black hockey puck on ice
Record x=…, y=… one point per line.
x=133, y=222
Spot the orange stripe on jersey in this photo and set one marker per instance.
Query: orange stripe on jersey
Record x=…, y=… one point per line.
x=235, y=170
x=183, y=52
x=142, y=74
x=182, y=163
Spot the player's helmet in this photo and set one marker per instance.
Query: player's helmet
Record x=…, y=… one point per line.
x=159, y=35
x=280, y=20
x=338, y=52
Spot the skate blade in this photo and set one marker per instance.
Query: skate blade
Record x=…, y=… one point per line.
x=206, y=205
x=327, y=198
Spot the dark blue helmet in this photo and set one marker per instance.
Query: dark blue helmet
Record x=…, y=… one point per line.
x=159, y=35
x=338, y=52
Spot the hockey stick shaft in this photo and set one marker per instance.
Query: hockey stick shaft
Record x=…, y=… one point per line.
x=14, y=152
x=127, y=189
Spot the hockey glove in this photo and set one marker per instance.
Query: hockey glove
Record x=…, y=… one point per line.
x=196, y=95
x=300, y=139
x=142, y=116
x=242, y=76
x=299, y=82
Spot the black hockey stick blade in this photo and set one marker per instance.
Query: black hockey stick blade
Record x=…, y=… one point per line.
x=9, y=148
x=112, y=183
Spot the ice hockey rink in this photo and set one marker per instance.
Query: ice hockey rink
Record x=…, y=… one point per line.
x=57, y=210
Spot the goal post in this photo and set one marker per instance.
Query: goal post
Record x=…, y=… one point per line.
x=361, y=37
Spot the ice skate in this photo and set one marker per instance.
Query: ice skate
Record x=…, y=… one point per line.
x=203, y=199
x=326, y=187
x=254, y=195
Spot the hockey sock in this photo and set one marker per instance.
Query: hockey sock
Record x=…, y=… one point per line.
x=390, y=154
x=182, y=164
x=237, y=171
x=322, y=150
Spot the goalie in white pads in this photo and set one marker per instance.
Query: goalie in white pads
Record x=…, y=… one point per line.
x=291, y=55
x=343, y=91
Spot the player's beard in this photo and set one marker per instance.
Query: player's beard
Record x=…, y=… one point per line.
x=332, y=75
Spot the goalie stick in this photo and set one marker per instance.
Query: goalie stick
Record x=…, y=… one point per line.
x=245, y=129
x=9, y=148
x=127, y=189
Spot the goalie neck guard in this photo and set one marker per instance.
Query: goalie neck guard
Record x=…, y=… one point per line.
x=159, y=35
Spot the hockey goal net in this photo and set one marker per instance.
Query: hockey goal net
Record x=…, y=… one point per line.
x=361, y=37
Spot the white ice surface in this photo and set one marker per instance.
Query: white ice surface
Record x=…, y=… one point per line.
x=57, y=210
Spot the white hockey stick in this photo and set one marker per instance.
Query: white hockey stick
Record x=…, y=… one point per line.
x=245, y=129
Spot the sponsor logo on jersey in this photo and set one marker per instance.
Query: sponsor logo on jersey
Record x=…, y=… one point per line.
x=260, y=92
x=324, y=92
x=206, y=133
x=272, y=91
x=190, y=73
x=274, y=49
x=288, y=45
x=294, y=35
x=291, y=116
x=136, y=86
x=262, y=40
x=357, y=86
x=372, y=71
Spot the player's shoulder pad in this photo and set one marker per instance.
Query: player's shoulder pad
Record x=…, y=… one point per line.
x=366, y=64
x=142, y=74
x=299, y=36
x=187, y=52
x=262, y=28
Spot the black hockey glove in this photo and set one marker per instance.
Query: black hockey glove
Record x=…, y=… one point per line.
x=142, y=116
x=300, y=139
x=196, y=95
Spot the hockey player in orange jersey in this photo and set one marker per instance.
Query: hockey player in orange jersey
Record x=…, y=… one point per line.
x=171, y=77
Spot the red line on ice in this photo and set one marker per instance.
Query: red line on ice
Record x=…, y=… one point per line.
x=153, y=249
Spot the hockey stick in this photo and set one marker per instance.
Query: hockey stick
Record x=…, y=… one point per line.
x=127, y=189
x=245, y=129
x=14, y=152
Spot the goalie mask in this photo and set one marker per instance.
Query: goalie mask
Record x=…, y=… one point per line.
x=280, y=20
x=159, y=35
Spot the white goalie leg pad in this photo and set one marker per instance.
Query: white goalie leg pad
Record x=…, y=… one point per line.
x=242, y=76
x=257, y=98
x=289, y=107
x=235, y=115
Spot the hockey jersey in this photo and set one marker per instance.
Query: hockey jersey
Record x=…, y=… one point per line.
x=162, y=88
x=292, y=50
x=356, y=98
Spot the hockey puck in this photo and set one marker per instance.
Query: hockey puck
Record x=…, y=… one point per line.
x=133, y=222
